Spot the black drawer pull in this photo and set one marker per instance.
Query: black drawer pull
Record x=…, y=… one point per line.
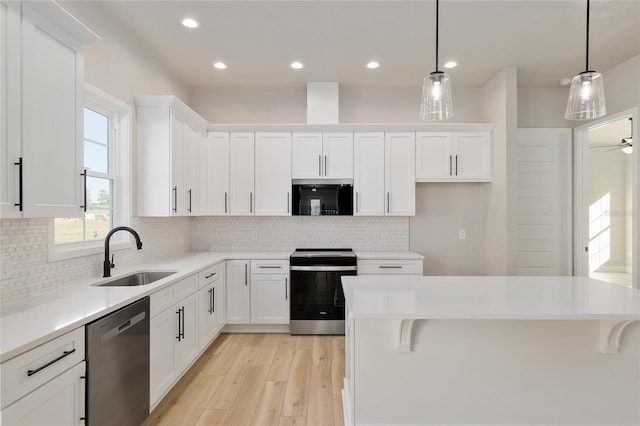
x=390, y=267
x=210, y=275
x=270, y=267
x=39, y=369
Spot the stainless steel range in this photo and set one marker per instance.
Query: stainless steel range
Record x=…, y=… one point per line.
x=317, y=299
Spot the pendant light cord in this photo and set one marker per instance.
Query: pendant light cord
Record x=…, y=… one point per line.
x=437, y=30
x=587, y=55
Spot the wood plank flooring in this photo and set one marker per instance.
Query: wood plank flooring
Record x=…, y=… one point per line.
x=260, y=379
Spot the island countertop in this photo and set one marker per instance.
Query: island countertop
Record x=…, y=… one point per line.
x=489, y=297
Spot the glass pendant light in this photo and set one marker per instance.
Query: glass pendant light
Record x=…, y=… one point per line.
x=436, y=90
x=586, y=96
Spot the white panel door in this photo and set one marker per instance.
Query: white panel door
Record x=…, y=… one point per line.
x=190, y=171
x=543, y=238
x=163, y=332
x=241, y=176
x=218, y=173
x=178, y=191
x=306, y=155
x=273, y=177
x=368, y=174
x=207, y=316
x=270, y=298
x=238, y=292
x=52, y=130
x=433, y=155
x=400, y=174
x=10, y=137
x=337, y=155
x=472, y=155
x=186, y=347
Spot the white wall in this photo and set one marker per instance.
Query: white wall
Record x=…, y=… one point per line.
x=119, y=64
x=542, y=107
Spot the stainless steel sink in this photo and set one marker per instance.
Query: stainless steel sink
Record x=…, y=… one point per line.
x=138, y=278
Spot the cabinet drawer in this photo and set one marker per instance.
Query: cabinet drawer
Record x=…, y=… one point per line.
x=269, y=266
x=172, y=294
x=208, y=276
x=24, y=373
x=390, y=267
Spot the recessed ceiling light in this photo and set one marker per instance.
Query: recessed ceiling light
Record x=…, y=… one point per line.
x=190, y=23
x=373, y=65
x=296, y=65
x=220, y=65
x=451, y=64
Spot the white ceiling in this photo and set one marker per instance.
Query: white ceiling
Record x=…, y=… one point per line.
x=544, y=39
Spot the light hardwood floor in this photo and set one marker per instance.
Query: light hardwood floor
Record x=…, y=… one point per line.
x=260, y=379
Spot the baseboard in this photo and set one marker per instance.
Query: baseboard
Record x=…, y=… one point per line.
x=256, y=328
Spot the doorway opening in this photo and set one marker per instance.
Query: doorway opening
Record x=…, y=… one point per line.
x=606, y=200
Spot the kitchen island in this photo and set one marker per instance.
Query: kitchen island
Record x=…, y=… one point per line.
x=491, y=350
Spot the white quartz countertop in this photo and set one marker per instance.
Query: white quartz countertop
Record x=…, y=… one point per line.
x=535, y=298
x=30, y=322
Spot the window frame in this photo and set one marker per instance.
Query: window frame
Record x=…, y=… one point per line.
x=120, y=117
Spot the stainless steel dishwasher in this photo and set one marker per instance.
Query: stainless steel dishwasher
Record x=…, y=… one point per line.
x=117, y=359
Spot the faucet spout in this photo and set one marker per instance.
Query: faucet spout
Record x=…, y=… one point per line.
x=108, y=264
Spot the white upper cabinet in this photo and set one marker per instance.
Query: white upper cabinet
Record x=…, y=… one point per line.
x=169, y=137
x=217, y=172
x=453, y=156
x=400, y=173
x=368, y=174
x=42, y=79
x=242, y=171
x=272, y=176
x=322, y=155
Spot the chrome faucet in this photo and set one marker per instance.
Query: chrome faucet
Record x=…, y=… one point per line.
x=108, y=264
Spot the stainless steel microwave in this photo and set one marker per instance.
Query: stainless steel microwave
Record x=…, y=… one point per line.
x=322, y=198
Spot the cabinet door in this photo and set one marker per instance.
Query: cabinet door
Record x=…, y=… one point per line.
x=273, y=177
x=190, y=165
x=186, y=347
x=60, y=401
x=10, y=149
x=368, y=174
x=178, y=130
x=434, y=155
x=338, y=155
x=238, y=292
x=270, y=298
x=163, y=334
x=52, y=129
x=241, y=167
x=218, y=173
x=220, y=295
x=202, y=159
x=400, y=174
x=472, y=155
x=207, y=315
x=306, y=156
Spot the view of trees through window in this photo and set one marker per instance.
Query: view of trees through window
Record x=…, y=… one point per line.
x=98, y=219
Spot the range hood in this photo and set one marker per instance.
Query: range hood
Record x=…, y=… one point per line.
x=322, y=103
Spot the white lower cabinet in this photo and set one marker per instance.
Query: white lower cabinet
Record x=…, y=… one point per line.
x=174, y=337
x=46, y=384
x=390, y=266
x=211, y=300
x=258, y=292
x=60, y=401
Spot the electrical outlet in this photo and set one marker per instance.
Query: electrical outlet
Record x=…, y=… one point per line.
x=4, y=266
x=462, y=234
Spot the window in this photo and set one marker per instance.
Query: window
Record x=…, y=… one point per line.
x=106, y=143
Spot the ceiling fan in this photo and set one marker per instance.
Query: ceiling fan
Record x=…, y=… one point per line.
x=625, y=145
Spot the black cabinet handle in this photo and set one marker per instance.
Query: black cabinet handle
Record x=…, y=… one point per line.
x=325, y=165
x=450, y=167
x=288, y=209
x=388, y=202
x=356, y=202
x=182, y=314
x=42, y=367
x=319, y=165
x=251, y=202
x=225, y=202
x=84, y=178
x=179, y=320
x=245, y=274
x=456, y=164
x=286, y=290
x=390, y=267
x=189, y=191
x=269, y=267
x=175, y=199
x=213, y=300
x=210, y=275
x=19, y=203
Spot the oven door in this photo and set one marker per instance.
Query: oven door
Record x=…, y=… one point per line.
x=316, y=292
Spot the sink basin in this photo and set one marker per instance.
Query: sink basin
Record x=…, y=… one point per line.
x=138, y=278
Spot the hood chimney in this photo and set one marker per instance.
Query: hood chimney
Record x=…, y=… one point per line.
x=322, y=103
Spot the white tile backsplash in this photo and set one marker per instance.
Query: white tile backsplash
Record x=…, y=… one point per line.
x=287, y=233
x=25, y=242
